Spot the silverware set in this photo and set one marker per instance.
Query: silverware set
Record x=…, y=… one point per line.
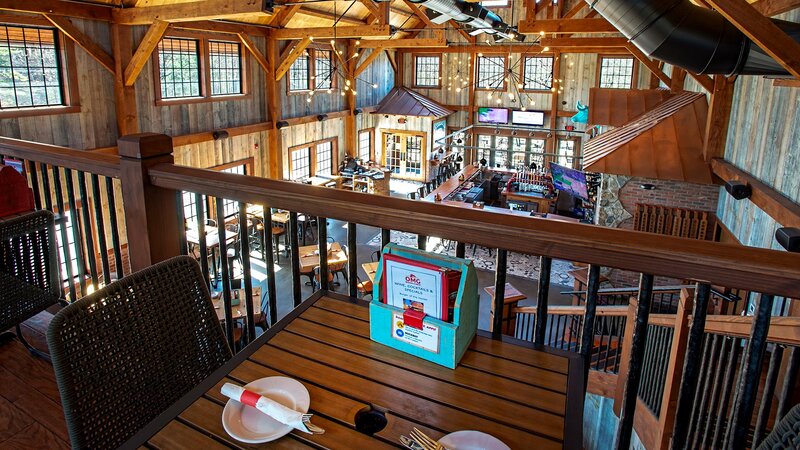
x=420, y=441
x=310, y=426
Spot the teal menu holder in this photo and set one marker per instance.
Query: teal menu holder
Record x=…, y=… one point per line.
x=441, y=342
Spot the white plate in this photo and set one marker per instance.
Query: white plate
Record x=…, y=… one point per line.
x=249, y=425
x=472, y=440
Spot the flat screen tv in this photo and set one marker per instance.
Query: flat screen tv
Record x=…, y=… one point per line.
x=530, y=118
x=570, y=180
x=493, y=115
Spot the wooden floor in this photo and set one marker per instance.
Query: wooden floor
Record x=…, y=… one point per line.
x=30, y=407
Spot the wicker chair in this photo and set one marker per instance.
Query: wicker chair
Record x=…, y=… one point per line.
x=29, y=271
x=786, y=433
x=127, y=352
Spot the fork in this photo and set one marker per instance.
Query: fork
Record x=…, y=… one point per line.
x=310, y=426
x=424, y=441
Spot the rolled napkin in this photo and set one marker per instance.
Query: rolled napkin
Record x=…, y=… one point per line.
x=282, y=414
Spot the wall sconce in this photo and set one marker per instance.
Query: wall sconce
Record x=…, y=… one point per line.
x=738, y=189
x=281, y=124
x=357, y=111
x=401, y=120
x=789, y=238
x=322, y=117
x=647, y=186
x=220, y=134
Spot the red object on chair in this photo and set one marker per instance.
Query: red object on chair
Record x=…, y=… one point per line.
x=15, y=195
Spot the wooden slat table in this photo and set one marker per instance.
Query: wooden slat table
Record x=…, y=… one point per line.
x=309, y=259
x=527, y=398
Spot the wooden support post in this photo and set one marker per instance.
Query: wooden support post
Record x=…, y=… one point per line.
x=149, y=210
x=625, y=355
x=273, y=94
x=680, y=341
x=677, y=79
x=471, y=155
x=719, y=114
x=350, y=118
x=552, y=145
x=124, y=96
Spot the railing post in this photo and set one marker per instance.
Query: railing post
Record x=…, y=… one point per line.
x=672, y=381
x=587, y=334
x=149, y=210
x=625, y=354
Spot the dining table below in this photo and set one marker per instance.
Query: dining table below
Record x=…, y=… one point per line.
x=527, y=397
x=309, y=256
x=238, y=311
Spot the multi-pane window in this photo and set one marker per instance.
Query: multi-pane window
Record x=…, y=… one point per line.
x=427, y=70
x=323, y=69
x=566, y=152
x=413, y=155
x=30, y=72
x=67, y=223
x=536, y=149
x=365, y=146
x=232, y=206
x=301, y=163
x=179, y=68
x=484, y=144
x=519, y=158
x=299, y=73
x=491, y=72
x=537, y=73
x=523, y=151
x=500, y=153
x=324, y=153
x=225, y=65
x=616, y=73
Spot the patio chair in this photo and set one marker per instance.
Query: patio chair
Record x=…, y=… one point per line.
x=786, y=433
x=30, y=281
x=125, y=353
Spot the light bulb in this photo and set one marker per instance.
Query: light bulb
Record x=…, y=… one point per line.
x=375, y=85
x=547, y=49
x=519, y=85
x=308, y=100
x=480, y=55
x=341, y=52
x=458, y=89
x=333, y=42
x=523, y=108
x=347, y=82
x=355, y=55
x=541, y=33
x=342, y=93
x=499, y=100
x=510, y=95
x=553, y=89
x=354, y=93
x=489, y=96
x=311, y=38
x=329, y=90
x=358, y=42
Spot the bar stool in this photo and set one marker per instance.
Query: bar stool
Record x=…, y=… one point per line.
x=277, y=232
x=421, y=192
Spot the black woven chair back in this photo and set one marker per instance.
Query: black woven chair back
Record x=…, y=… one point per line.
x=127, y=352
x=786, y=433
x=29, y=271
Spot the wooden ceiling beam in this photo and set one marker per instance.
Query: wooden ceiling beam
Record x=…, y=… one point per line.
x=565, y=43
x=577, y=8
x=192, y=11
x=251, y=46
x=767, y=35
x=59, y=8
x=306, y=11
x=436, y=42
x=528, y=49
x=718, y=119
x=360, y=31
x=145, y=49
x=467, y=37
x=771, y=8
x=83, y=41
x=703, y=80
x=285, y=64
x=651, y=65
x=284, y=15
x=421, y=15
x=221, y=27
x=374, y=11
x=596, y=25
x=372, y=57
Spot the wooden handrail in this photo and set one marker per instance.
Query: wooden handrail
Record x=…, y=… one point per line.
x=761, y=270
x=573, y=310
x=96, y=163
x=782, y=330
x=662, y=320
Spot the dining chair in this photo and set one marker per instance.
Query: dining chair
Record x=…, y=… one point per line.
x=786, y=433
x=125, y=353
x=30, y=279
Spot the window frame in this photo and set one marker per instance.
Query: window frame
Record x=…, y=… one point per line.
x=525, y=58
x=501, y=88
x=312, y=70
x=576, y=151
x=415, y=83
x=204, y=64
x=371, y=132
x=312, y=149
x=634, y=71
x=209, y=206
x=69, y=74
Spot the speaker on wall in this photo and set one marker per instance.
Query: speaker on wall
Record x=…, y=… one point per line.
x=738, y=189
x=789, y=238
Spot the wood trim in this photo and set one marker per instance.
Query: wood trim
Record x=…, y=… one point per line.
x=192, y=11
x=779, y=207
x=718, y=119
x=774, y=7
x=680, y=340
x=247, y=162
x=96, y=163
x=645, y=423
x=312, y=148
x=784, y=82
x=785, y=330
x=414, y=56
x=358, y=31
x=662, y=320
x=625, y=355
x=602, y=383
x=634, y=76
x=60, y=8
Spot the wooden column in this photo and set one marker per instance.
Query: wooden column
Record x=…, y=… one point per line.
x=625, y=355
x=471, y=156
x=273, y=94
x=719, y=114
x=677, y=79
x=150, y=212
x=680, y=339
x=552, y=141
x=124, y=96
x=350, y=118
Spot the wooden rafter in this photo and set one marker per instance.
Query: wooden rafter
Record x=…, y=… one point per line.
x=332, y=32
x=651, y=65
x=83, y=41
x=251, y=46
x=718, y=119
x=596, y=25
x=463, y=32
x=577, y=8
x=421, y=15
x=220, y=27
x=306, y=11
x=298, y=50
x=767, y=35
x=363, y=66
x=145, y=49
x=199, y=10
x=584, y=42
x=774, y=7
x=435, y=42
x=703, y=80
x=374, y=11
x=59, y=8
x=284, y=15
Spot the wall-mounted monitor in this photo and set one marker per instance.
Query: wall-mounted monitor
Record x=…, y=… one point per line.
x=570, y=180
x=493, y=115
x=529, y=118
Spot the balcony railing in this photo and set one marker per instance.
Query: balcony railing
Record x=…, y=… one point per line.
x=152, y=187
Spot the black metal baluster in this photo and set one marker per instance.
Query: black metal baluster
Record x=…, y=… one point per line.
x=633, y=377
x=766, y=398
x=199, y=207
x=422, y=242
x=545, y=264
x=226, y=279
x=182, y=244
x=461, y=249
x=727, y=385
x=87, y=226
x=101, y=228
x=294, y=243
x=789, y=380
x=587, y=335
x=619, y=325
x=690, y=368
x=37, y=195
x=322, y=235
x=748, y=382
x=386, y=237
x=352, y=262
x=646, y=365
x=244, y=251
x=499, y=292
x=704, y=409
x=112, y=222
x=269, y=241
x=46, y=192
x=76, y=230
x=715, y=388
x=63, y=232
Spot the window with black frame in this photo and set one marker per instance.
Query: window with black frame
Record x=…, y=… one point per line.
x=300, y=163
x=566, y=152
x=232, y=206
x=225, y=67
x=490, y=72
x=30, y=68
x=616, y=72
x=324, y=158
x=179, y=68
x=365, y=145
x=426, y=70
x=537, y=73
x=299, y=73
x=323, y=69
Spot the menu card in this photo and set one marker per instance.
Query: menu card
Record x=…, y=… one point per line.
x=415, y=285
